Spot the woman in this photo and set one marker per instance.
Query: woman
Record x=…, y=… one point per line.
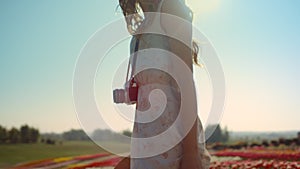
x=190, y=153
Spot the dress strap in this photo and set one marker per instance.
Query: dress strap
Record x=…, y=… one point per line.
x=160, y=5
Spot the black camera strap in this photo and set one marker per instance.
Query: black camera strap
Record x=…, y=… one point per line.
x=132, y=61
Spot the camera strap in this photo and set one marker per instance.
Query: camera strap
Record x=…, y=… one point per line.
x=132, y=61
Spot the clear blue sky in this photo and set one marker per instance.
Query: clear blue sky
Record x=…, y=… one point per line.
x=257, y=41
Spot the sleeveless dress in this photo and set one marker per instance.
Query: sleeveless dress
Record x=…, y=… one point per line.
x=149, y=81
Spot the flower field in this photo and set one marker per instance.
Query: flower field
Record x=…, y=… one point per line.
x=78, y=162
x=249, y=164
x=260, y=158
x=261, y=153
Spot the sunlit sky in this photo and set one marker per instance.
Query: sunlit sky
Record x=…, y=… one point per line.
x=257, y=42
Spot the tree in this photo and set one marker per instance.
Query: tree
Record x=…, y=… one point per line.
x=225, y=135
x=14, y=135
x=214, y=134
x=25, y=134
x=34, y=135
x=3, y=134
x=127, y=133
x=75, y=135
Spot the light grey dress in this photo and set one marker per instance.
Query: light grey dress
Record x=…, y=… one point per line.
x=149, y=81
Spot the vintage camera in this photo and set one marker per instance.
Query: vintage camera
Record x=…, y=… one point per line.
x=128, y=95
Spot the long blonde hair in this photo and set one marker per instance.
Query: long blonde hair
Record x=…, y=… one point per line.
x=131, y=11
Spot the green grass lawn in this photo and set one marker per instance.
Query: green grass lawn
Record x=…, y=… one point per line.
x=11, y=154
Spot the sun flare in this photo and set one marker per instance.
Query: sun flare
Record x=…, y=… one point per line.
x=203, y=6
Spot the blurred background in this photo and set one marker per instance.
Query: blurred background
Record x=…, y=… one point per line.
x=257, y=43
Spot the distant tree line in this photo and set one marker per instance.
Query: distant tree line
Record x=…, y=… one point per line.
x=71, y=135
x=214, y=133
x=27, y=134
x=75, y=135
x=293, y=143
x=24, y=134
x=107, y=135
x=80, y=135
